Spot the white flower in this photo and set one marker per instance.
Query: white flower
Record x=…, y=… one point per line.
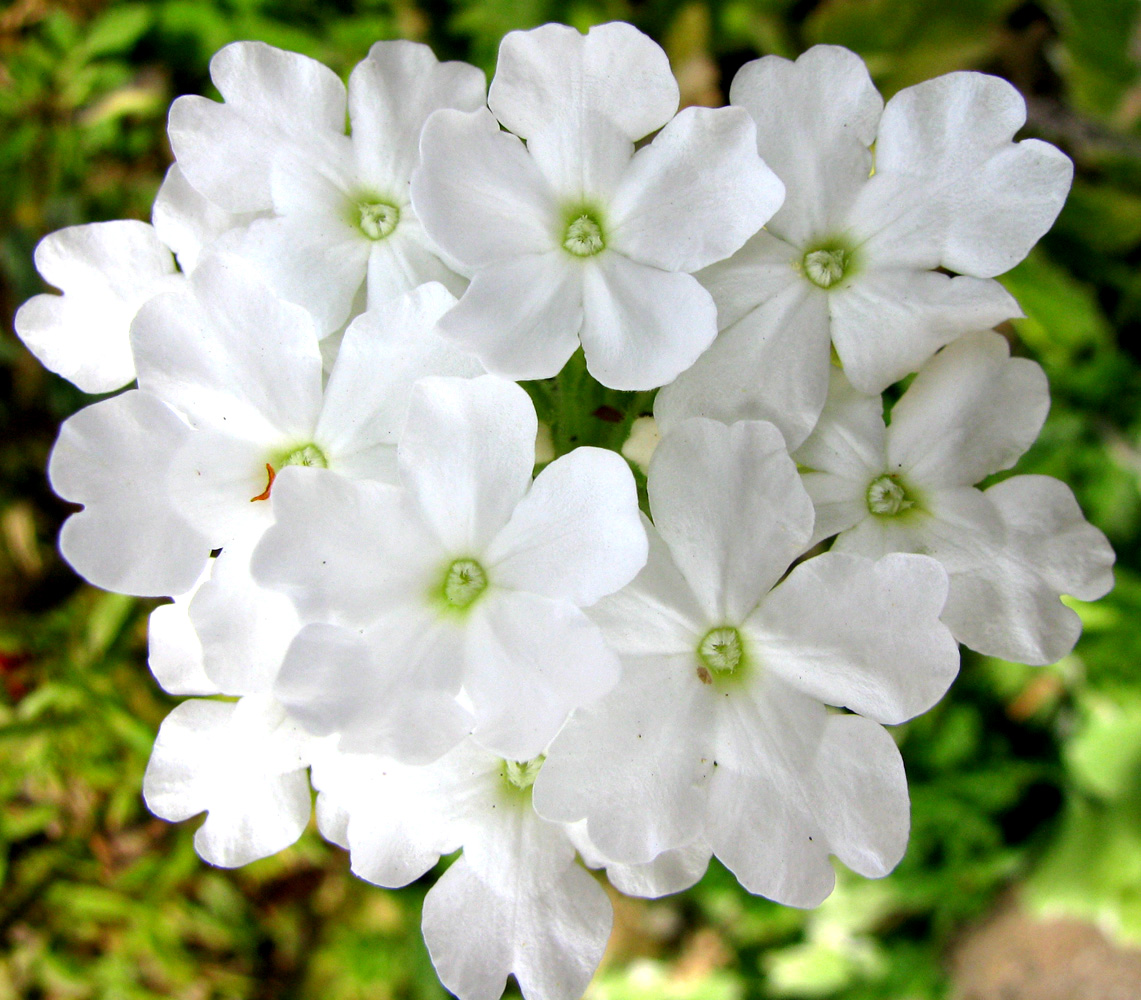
x=106, y=271
x=515, y=902
x=245, y=764
x=474, y=575
x=718, y=732
x=1011, y=551
x=574, y=236
x=231, y=392
x=853, y=259
x=336, y=209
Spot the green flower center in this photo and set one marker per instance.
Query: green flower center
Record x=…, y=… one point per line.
x=827, y=266
x=584, y=235
x=887, y=497
x=308, y=455
x=521, y=774
x=378, y=219
x=464, y=581
x=721, y=652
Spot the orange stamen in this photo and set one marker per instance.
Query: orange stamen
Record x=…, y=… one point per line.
x=268, y=486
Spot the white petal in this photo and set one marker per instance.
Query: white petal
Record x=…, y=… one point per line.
x=479, y=194
x=860, y=795
x=636, y=766
x=174, y=652
x=391, y=95
x=695, y=194
x=404, y=261
x=1067, y=551
x=529, y=662
x=244, y=629
x=816, y=119
x=318, y=261
x=245, y=764
x=187, y=221
x=583, y=165
x=951, y=189
x=113, y=457
x=670, y=872
x=971, y=411
x=344, y=551
x=759, y=818
x=230, y=355
x=729, y=504
x=273, y=98
x=521, y=318
x=106, y=271
x=886, y=323
x=655, y=614
x=761, y=270
x=537, y=915
x=466, y=456
x=554, y=77
x=383, y=353
x=861, y=635
x=577, y=534
x=389, y=692
x=642, y=327
x=772, y=364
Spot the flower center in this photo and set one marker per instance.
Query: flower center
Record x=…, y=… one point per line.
x=721, y=652
x=308, y=455
x=584, y=235
x=463, y=583
x=826, y=267
x=378, y=219
x=887, y=497
x=521, y=774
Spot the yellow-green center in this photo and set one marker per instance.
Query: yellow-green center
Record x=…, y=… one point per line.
x=828, y=266
x=378, y=219
x=308, y=455
x=887, y=497
x=721, y=652
x=464, y=581
x=521, y=774
x=584, y=237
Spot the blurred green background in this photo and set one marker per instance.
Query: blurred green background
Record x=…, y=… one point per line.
x=1026, y=783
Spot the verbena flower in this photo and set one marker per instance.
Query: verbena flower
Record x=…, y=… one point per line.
x=335, y=214
x=718, y=732
x=853, y=257
x=473, y=575
x=910, y=487
x=575, y=236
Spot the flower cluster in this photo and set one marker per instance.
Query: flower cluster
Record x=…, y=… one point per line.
x=327, y=462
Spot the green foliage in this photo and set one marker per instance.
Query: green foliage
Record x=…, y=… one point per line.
x=1022, y=777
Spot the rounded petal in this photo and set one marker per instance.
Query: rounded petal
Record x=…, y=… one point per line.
x=174, y=652
x=886, y=323
x=670, y=872
x=553, y=77
x=479, y=194
x=273, y=99
x=383, y=353
x=187, y=221
x=528, y=663
x=244, y=763
x=772, y=364
x=391, y=95
x=404, y=261
x=642, y=327
x=636, y=766
x=129, y=537
x=521, y=318
x=729, y=504
x=231, y=356
x=106, y=271
x=860, y=796
x=816, y=119
x=695, y=194
x=971, y=411
x=388, y=692
x=765, y=267
x=577, y=534
x=861, y=635
x=466, y=456
x=951, y=188
x=849, y=439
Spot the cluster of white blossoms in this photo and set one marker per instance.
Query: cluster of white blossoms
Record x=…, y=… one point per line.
x=327, y=465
